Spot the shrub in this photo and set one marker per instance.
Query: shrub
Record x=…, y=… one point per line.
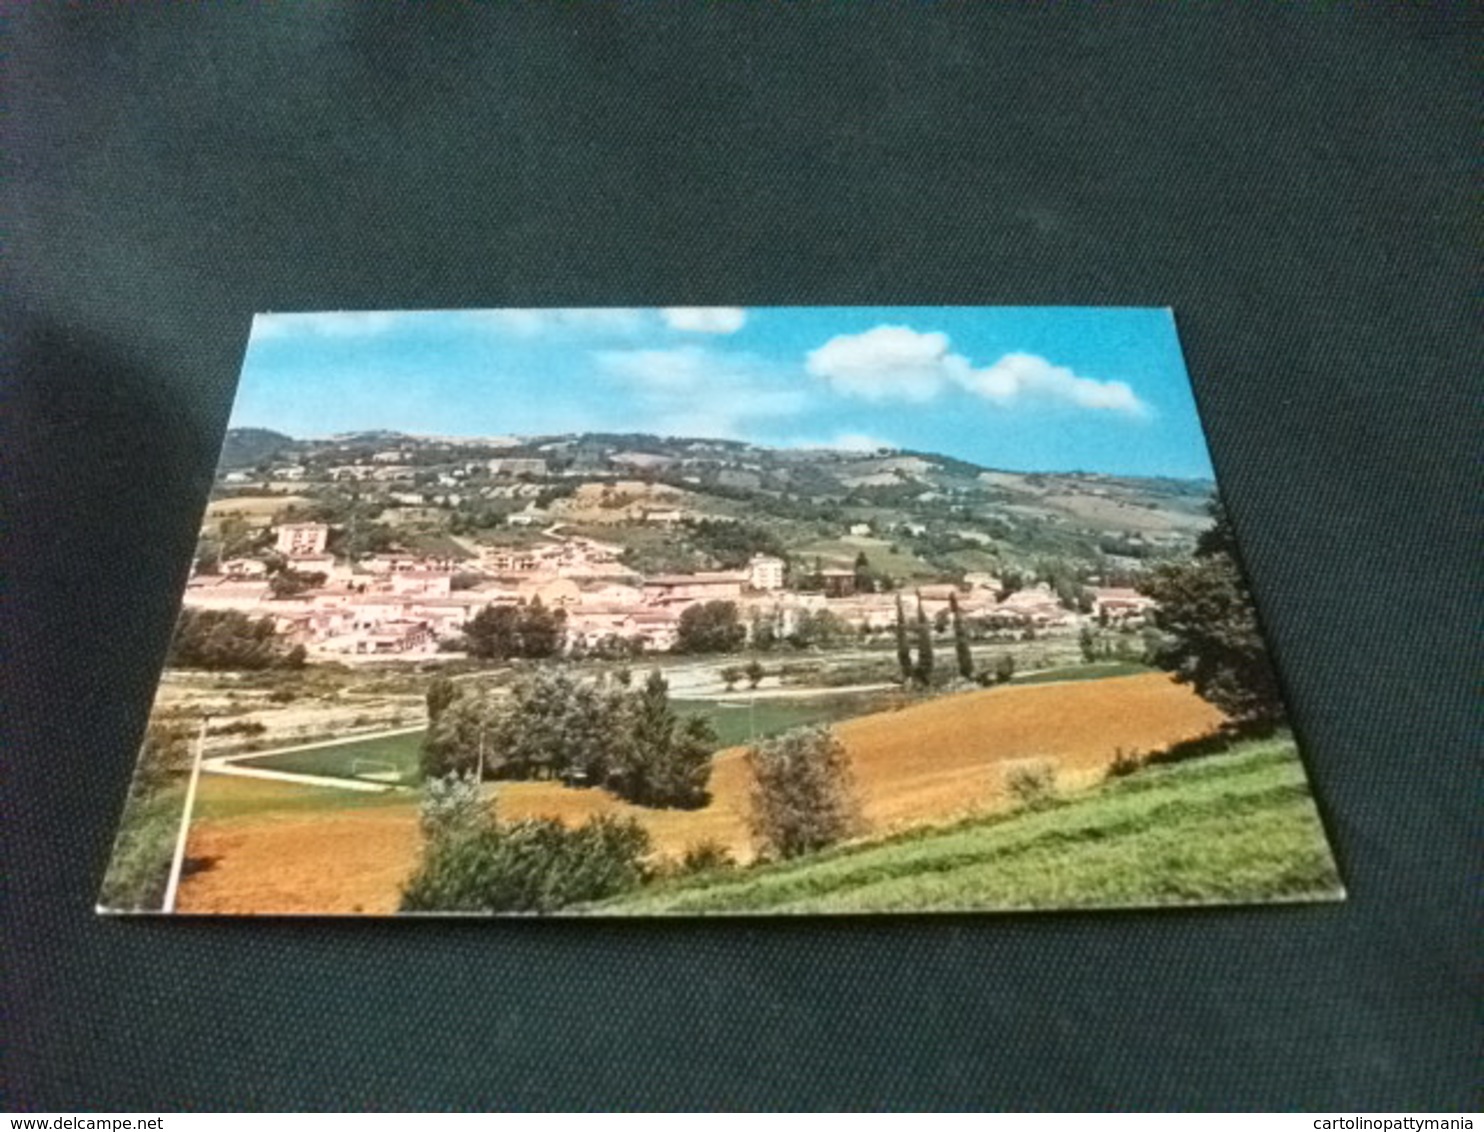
x=1004, y=669
x=706, y=857
x=528, y=866
x=239, y=727
x=803, y=797
x=1031, y=783
x=1124, y=763
x=452, y=807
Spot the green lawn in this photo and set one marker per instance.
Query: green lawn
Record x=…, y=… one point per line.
x=1233, y=828
x=224, y=797
x=356, y=758
x=1074, y=672
x=738, y=723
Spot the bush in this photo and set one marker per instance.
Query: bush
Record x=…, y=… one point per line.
x=527, y=866
x=239, y=727
x=1031, y=783
x=1124, y=763
x=803, y=797
x=1004, y=669
x=452, y=807
x=706, y=857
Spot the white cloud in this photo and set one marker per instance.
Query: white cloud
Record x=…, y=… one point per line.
x=887, y=363
x=533, y=322
x=691, y=391
x=705, y=320
x=897, y=363
x=327, y=324
x=1029, y=375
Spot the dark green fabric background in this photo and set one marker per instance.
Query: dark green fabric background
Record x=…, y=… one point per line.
x=1297, y=182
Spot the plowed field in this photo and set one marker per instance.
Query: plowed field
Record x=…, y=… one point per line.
x=928, y=763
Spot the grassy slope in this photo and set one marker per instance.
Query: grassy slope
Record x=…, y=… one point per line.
x=1231, y=828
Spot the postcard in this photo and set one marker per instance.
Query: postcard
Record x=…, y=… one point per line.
x=692, y=611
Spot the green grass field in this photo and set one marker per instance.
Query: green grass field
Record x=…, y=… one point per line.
x=223, y=797
x=842, y=552
x=1232, y=828
x=392, y=754
x=1074, y=672
x=739, y=723
x=398, y=754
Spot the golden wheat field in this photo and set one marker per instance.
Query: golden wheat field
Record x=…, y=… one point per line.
x=928, y=763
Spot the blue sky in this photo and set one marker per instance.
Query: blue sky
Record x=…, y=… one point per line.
x=1097, y=389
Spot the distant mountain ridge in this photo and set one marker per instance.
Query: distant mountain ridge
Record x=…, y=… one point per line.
x=824, y=504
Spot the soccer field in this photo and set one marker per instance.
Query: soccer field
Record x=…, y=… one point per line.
x=385, y=758
x=394, y=758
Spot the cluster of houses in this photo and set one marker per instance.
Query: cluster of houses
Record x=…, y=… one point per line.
x=401, y=603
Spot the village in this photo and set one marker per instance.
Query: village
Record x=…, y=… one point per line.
x=408, y=604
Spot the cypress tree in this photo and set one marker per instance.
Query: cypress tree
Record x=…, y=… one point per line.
x=904, y=650
x=960, y=640
x=924, y=646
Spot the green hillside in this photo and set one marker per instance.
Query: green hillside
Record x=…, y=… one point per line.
x=1231, y=828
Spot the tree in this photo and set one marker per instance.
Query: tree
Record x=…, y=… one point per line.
x=542, y=631
x=461, y=738
x=1212, y=638
x=865, y=581
x=217, y=639
x=819, y=627
x=754, y=672
x=441, y=692
x=1004, y=669
x=803, y=797
x=730, y=675
x=493, y=633
x=1087, y=641
x=292, y=583
x=764, y=633
x=904, y=650
x=710, y=627
x=665, y=762
x=554, y=725
x=960, y=640
x=924, y=669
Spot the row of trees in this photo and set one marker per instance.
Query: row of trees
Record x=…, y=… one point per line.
x=920, y=670
x=220, y=639
x=502, y=632
x=586, y=732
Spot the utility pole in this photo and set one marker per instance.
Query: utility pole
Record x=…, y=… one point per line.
x=177, y=863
